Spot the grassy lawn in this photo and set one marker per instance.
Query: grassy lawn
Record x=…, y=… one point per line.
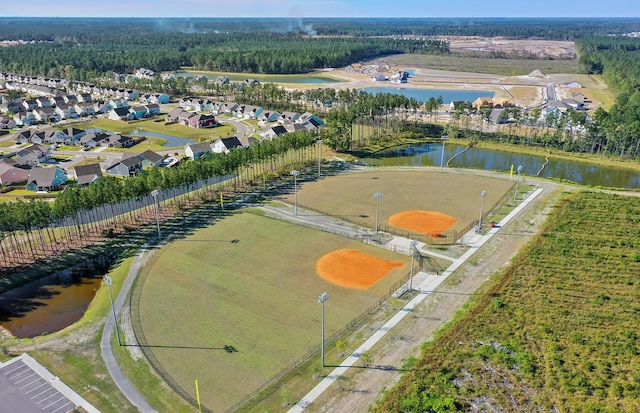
x=507, y=67
x=6, y=143
x=297, y=78
x=248, y=282
x=198, y=135
x=557, y=331
x=351, y=195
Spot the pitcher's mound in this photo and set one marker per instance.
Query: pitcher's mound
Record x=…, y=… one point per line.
x=354, y=269
x=424, y=222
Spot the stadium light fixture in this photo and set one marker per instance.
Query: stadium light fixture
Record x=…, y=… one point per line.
x=107, y=280
x=515, y=194
x=295, y=174
x=444, y=139
x=413, y=253
x=321, y=300
x=155, y=194
x=319, y=156
x=378, y=196
x=483, y=194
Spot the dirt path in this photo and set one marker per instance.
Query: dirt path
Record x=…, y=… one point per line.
x=360, y=391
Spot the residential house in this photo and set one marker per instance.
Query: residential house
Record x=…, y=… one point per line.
x=457, y=104
x=43, y=102
x=202, y=121
x=159, y=98
x=34, y=154
x=150, y=159
x=225, y=145
x=38, y=137
x=10, y=106
x=378, y=77
x=153, y=109
x=222, y=80
x=11, y=174
x=84, y=98
x=573, y=104
x=44, y=115
x=310, y=120
x=195, y=151
x=174, y=114
x=22, y=137
x=275, y=131
x=70, y=99
x=24, y=118
x=73, y=135
x=86, y=174
x=84, y=109
x=66, y=111
x=56, y=100
x=130, y=165
x=118, y=141
x=138, y=112
x=288, y=117
x=573, y=85
x=102, y=107
x=29, y=104
x=228, y=108
x=483, y=101
x=118, y=103
x=121, y=113
x=267, y=116
x=53, y=137
x=247, y=141
x=249, y=111
x=45, y=179
x=93, y=139
x=7, y=123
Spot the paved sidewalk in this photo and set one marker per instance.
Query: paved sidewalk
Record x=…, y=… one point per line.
x=428, y=284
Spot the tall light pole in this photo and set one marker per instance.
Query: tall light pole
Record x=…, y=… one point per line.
x=378, y=196
x=319, y=155
x=107, y=280
x=321, y=300
x=515, y=194
x=295, y=174
x=483, y=194
x=154, y=194
x=413, y=253
x=444, y=139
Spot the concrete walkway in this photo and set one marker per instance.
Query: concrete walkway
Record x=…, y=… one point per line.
x=427, y=284
x=116, y=374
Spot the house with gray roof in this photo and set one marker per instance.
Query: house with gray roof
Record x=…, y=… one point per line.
x=195, y=151
x=86, y=174
x=126, y=167
x=45, y=179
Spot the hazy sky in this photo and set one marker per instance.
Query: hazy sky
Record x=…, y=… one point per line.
x=324, y=8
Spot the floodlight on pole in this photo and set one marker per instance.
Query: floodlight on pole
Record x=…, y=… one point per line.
x=413, y=253
x=444, y=139
x=107, y=280
x=155, y=194
x=515, y=194
x=483, y=194
x=321, y=300
x=319, y=155
x=378, y=196
x=295, y=174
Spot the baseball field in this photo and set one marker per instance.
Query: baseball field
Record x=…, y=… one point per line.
x=233, y=304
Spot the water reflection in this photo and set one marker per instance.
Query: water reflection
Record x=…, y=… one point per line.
x=53, y=302
x=493, y=160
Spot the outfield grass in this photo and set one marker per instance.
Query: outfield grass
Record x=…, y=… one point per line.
x=248, y=282
x=351, y=195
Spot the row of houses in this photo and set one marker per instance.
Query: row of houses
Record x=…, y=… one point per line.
x=21, y=168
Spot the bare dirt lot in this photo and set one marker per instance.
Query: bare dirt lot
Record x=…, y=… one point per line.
x=539, y=48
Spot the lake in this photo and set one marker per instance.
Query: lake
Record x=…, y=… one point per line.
x=423, y=95
x=493, y=160
x=172, y=141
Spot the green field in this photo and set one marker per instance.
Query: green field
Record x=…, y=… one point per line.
x=507, y=67
x=557, y=331
x=248, y=282
x=293, y=79
x=351, y=195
